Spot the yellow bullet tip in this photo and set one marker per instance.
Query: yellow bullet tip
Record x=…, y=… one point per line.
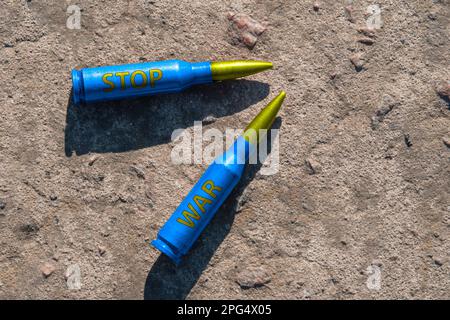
x=226, y=70
x=264, y=119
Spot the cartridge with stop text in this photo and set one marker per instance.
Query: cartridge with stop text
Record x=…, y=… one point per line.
x=194, y=213
x=148, y=78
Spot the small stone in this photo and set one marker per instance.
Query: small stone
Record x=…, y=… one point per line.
x=53, y=197
x=138, y=172
x=92, y=159
x=432, y=16
x=2, y=205
x=443, y=90
x=357, y=61
x=248, y=39
x=316, y=6
x=349, y=13
x=253, y=278
x=101, y=250
x=242, y=200
x=387, y=105
x=368, y=32
x=307, y=207
x=29, y=228
x=446, y=141
x=408, y=141
x=366, y=40
x=47, y=269
x=105, y=233
x=246, y=29
x=209, y=119
x=312, y=166
x=438, y=261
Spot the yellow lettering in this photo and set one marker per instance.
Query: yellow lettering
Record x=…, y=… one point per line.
x=209, y=188
x=133, y=81
x=154, y=78
x=108, y=82
x=200, y=202
x=122, y=76
x=188, y=215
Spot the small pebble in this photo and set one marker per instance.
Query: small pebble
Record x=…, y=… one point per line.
x=408, y=141
x=388, y=103
x=438, y=261
x=242, y=200
x=247, y=29
x=316, y=6
x=357, y=61
x=2, y=205
x=349, y=13
x=312, y=166
x=105, y=233
x=366, y=40
x=209, y=119
x=253, y=278
x=92, y=159
x=249, y=39
x=138, y=171
x=101, y=250
x=307, y=207
x=368, y=32
x=443, y=90
x=446, y=141
x=29, y=228
x=432, y=16
x=47, y=269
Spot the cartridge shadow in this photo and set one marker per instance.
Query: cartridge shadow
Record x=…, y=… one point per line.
x=165, y=281
x=120, y=126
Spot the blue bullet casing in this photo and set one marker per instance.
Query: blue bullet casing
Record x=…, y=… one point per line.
x=194, y=213
x=137, y=79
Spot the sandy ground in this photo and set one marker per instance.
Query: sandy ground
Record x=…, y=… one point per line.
x=359, y=209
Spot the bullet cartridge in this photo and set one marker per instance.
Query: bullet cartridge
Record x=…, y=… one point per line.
x=194, y=213
x=148, y=78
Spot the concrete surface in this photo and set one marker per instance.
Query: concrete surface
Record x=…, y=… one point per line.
x=363, y=188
